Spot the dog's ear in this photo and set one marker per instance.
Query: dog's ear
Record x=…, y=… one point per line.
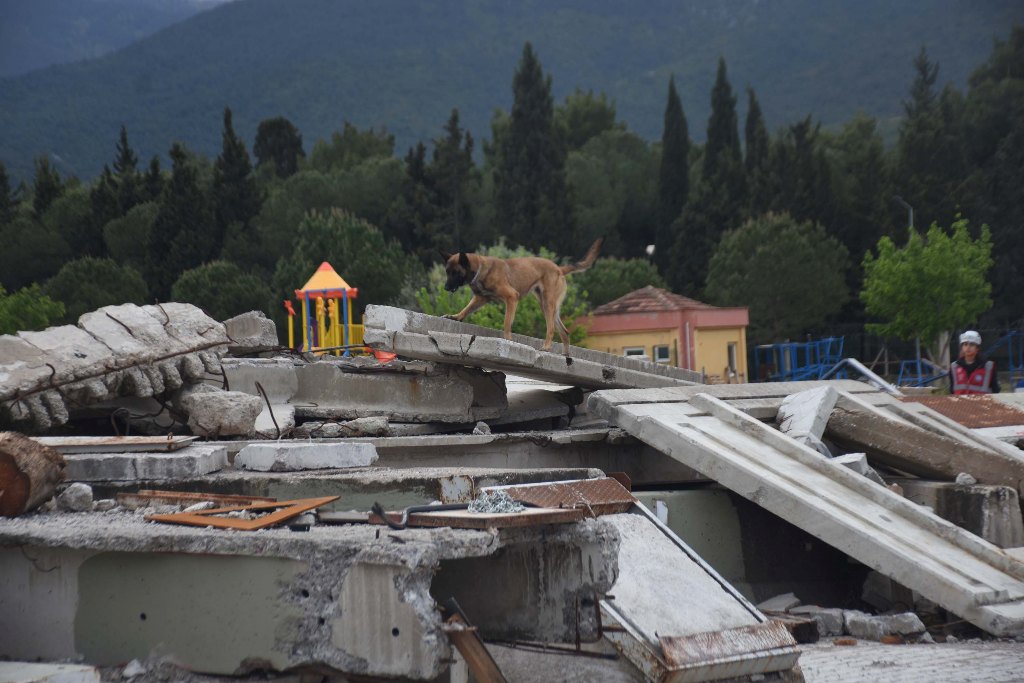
x=444, y=255
x=463, y=260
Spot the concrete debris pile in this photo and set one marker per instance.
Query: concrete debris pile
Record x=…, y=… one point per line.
x=469, y=508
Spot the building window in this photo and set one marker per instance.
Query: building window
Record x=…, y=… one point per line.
x=662, y=354
x=732, y=357
x=634, y=352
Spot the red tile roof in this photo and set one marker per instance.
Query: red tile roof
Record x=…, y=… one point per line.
x=649, y=300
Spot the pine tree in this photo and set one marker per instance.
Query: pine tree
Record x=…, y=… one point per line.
x=106, y=206
x=530, y=187
x=279, y=142
x=451, y=170
x=46, y=187
x=8, y=202
x=673, y=175
x=756, y=162
x=184, y=229
x=125, y=163
x=802, y=184
x=236, y=198
x=153, y=182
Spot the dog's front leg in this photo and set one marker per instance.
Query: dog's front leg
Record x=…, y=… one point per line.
x=474, y=304
x=511, y=303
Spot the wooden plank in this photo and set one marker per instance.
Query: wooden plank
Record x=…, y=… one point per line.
x=467, y=641
x=464, y=519
x=283, y=511
x=149, y=497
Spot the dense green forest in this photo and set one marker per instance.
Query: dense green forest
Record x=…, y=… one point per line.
x=779, y=221
x=404, y=65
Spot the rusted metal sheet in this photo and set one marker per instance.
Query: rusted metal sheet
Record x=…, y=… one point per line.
x=604, y=496
x=729, y=644
x=115, y=444
x=463, y=519
x=973, y=412
x=149, y=497
x=282, y=511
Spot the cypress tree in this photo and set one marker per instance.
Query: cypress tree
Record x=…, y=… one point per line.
x=673, y=175
x=530, y=187
x=46, y=186
x=153, y=183
x=279, y=142
x=125, y=163
x=184, y=228
x=236, y=198
x=452, y=168
x=756, y=162
x=106, y=206
x=8, y=202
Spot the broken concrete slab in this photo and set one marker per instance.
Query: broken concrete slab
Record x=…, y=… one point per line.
x=26, y=672
x=195, y=460
x=273, y=379
x=330, y=390
x=872, y=627
x=858, y=462
x=779, y=603
x=214, y=413
x=251, y=332
x=282, y=456
x=830, y=619
x=336, y=598
x=416, y=335
x=803, y=416
x=947, y=565
x=992, y=512
x=114, y=351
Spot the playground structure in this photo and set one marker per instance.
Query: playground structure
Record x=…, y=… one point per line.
x=326, y=314
x=796, y=361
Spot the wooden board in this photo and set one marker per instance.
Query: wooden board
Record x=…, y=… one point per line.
x=464, y=519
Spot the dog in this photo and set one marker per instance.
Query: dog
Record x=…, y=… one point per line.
x=509, y=280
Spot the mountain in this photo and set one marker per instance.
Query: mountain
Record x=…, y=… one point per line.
x=404, y=65
x=38, y=33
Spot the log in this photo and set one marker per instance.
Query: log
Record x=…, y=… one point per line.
x=29, y=473
x=914, y=450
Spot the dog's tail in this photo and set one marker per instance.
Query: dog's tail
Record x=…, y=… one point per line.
x=587, y=261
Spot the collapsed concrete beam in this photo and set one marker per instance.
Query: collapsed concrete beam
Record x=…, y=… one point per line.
x=114, y=351
x=112, y=588
x=416, y=335
x=282, y=456
x=803, y=416
x=187, y=463
x=991, y=512
x=946, y=564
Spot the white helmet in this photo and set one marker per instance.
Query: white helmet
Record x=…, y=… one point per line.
x=970, y=337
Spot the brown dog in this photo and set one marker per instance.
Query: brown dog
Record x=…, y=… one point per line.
x=509, y=280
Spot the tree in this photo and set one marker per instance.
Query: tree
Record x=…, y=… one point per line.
x=584, y=116
x=222, y=289
x=434, y=299
x=767, y=263
x=236, y=198
x=279, y=143
x=46, y=187
x=72, y=217
x=127, y=175
x=153, y=183
x=88, y=283
x=32, y=251
x=8, y=201
x=530, y=187
x=127, y=238
x=802, y=185
x=351, y=147
x=610, y=278
x=673, y=175
x=930, y=286
x=106, y=206
x=27, y=309
x=722, y=156
x=184, y=233
x=451, y=173
x=757, y=160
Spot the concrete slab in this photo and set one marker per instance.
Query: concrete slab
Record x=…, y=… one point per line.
x=282, y=456
x=345, y=599
x=25, y=672
x=992, y=512
x=947, y=565
x=416, y=335
x=858, y=462
x=251, y=332
x=803, y=416
x=187, y=463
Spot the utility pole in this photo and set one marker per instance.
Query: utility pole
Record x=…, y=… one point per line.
x=902, y=202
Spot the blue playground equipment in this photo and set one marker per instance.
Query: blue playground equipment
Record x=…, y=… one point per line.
x=1014, y=343
x=919, y=373
x=795, y=361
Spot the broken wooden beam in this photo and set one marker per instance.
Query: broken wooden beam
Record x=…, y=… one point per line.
x=29, y=473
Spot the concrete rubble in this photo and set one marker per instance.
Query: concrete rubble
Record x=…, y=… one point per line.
x=752, y=500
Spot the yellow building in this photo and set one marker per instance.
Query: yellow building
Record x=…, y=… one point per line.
x=674, y=329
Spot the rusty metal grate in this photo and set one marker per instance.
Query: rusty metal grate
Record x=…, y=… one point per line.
x=973, y=412
x=600, y=496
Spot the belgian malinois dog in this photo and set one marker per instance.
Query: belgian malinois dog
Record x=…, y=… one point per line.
x=509, y=280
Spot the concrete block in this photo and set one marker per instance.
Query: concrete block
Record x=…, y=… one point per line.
x=992, y=512
x=25, y=672
x=252, y=331
x=858, y=462
x=779, y=603
x=868, y=627
x=285, y=457
x=214, y=413
x=75, y=498
x=196, y=460
x=803, y=416
x=830, y=619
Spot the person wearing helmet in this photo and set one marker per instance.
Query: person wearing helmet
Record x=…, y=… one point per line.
x=970, y=373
